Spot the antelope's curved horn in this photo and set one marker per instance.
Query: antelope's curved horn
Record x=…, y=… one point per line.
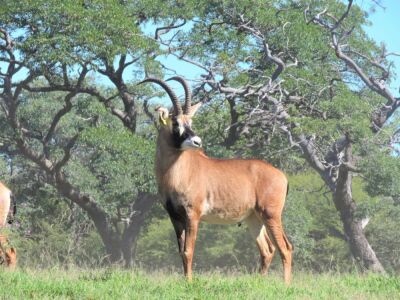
x=170, y=92
x=188, y=93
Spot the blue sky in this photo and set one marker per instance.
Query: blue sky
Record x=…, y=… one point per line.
x=386, y=28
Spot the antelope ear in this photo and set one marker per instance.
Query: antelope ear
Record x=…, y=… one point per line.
x=194, y=108
x=163, y=115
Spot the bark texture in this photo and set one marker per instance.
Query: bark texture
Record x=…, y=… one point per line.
x=346, y=206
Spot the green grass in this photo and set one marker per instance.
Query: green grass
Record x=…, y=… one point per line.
x=117, y=284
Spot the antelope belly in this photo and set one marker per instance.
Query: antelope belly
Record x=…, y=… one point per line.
x=224, y=217
x=219, y=220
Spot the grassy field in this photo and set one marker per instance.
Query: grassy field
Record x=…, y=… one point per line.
x=117, y=284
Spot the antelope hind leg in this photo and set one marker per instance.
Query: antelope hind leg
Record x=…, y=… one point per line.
x=264, y=244
x=285, y=248
x=11, y=258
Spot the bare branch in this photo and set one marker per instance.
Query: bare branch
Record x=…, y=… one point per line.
x=375, y=63
x=166, y=29
x=378, y=86
x=9, y=43
x=67, y=154
x=344, y=16
x=62, y=112
x=65, y=74
x=147, y=111
x=310, y=154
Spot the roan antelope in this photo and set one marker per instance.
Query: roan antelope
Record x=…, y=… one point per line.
x=8, y=255
x=195, y=187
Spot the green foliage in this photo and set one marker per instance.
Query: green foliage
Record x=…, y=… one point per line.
x=340, y=117
x=384, y=235
x=112, y=165
x=157, y=246
x=107, y=162
x=381, y=170
x=315, y=224
x=73, y=30
x=298, y=223
x=4, y=173
x=125, y=161
x=49, y=232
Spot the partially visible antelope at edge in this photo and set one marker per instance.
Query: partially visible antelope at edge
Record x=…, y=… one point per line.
x=8, y=255
x=194, y=187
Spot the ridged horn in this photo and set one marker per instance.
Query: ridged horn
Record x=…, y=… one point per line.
x=188, y=93
x=170, y=92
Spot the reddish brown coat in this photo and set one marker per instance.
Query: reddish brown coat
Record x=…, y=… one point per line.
x=8, y=255
x=223, y=191
x=195, y=187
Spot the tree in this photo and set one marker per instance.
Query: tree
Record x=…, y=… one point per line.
x=284, y=76
x=283, y=69
x=67, y=47
x=45, y=56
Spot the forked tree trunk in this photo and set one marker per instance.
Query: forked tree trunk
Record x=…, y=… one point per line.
x=119, y=246
x=346, y=206
x=141, y=207
x=342, y=196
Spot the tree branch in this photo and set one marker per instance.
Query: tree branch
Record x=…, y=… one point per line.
x=378, y=86
x=163, y=30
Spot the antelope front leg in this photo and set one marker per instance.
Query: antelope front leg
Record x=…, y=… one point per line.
x=180, y=236
x=190, y=240
x=179, y=219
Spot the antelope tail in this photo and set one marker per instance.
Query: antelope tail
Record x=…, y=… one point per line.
x=14, y=209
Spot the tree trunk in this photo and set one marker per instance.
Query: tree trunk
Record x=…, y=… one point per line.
x=141, y=207
x=346, y=206
x=99, y=217
x=119, y=247
x=343, y=198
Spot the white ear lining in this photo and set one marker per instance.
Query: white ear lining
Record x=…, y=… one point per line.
x=163, y=114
